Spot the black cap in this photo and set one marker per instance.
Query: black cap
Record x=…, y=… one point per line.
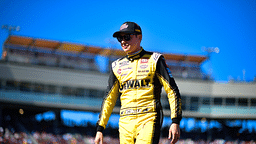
x=128, y=28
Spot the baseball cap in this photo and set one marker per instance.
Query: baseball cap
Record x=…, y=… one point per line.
x=128, y=28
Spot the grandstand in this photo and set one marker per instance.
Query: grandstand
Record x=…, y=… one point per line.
x=44, y=82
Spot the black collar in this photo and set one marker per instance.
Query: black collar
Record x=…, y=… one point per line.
x=137, y=55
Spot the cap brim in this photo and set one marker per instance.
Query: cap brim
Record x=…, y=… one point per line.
x=116, y=34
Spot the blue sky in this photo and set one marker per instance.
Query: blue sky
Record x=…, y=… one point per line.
x=180, y=27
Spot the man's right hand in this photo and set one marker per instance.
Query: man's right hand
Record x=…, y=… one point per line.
x=98, y=138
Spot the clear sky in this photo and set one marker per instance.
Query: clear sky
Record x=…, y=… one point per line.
x=170, y=26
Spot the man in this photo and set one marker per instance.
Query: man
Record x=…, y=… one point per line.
x=139, y=78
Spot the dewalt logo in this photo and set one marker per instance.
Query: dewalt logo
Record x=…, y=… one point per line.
x=135, y=84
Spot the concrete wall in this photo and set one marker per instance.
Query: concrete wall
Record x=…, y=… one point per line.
x=54, y=76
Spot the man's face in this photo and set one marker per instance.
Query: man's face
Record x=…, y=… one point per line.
x=132, y=45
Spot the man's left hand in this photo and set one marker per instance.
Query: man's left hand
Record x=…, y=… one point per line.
x=174, y=133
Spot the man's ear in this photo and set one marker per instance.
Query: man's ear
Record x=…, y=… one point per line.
x=140, y=37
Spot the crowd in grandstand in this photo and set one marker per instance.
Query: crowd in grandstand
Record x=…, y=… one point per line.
x=9, y=137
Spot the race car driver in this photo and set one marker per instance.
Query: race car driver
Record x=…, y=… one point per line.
x=138, y=79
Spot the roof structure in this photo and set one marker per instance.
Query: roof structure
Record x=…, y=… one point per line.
x=29, y=42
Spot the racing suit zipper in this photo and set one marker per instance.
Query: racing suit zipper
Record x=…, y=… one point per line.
x=136, y=73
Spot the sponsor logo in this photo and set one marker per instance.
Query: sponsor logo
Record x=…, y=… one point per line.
x=143, y=66
x=132, y=111
x=142, y=75
x=134, y=84
x=128, y=68
x=170, y=73
x=113, y=64
x=124, y=26
x=143, y=60
x=119, y=71
x=142, y=71
x=136, y=110
x=156, y=56
x=124, y=63
x=137, y=30
x=123, y=74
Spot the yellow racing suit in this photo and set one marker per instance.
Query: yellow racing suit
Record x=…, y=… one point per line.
x=138, y=80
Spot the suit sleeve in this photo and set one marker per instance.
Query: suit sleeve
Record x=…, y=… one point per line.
x=173, y=94
x=109, y=101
